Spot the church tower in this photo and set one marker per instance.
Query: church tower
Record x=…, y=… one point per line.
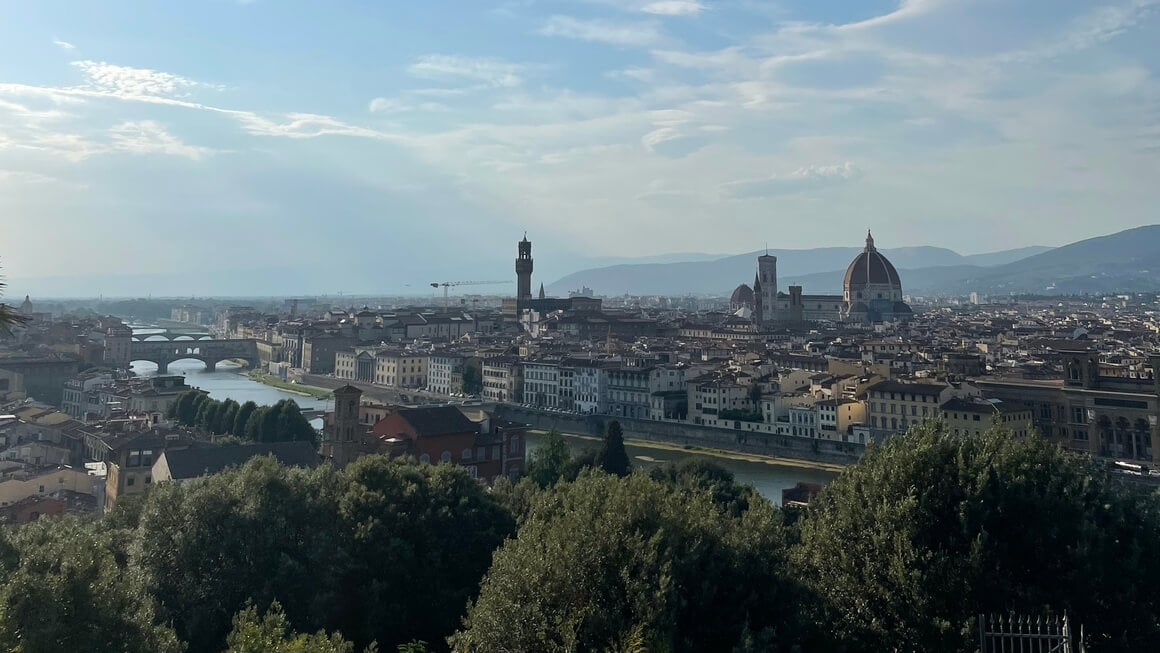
x=345, y=435
x=524, y=270
x=767, y=297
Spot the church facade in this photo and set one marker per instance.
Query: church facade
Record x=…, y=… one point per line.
x=872, y=293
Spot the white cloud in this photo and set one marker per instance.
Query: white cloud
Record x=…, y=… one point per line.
x=136, y=82
x=811, y=177
x=150, y=137
x=657, y=136
x=21, y=177
x=395, y=105
x=308, y=125
x=907, y=9
x=492, y=72
x=600, y=31
x=635, y=73
x=64, y=45
x=674, y=8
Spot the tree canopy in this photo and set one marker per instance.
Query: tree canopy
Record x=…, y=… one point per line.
x=900, y=553
x=931, y=529
x=550, y=460
x=603, y=560
x=385, y=551
x=282, y=422
x=613, y=458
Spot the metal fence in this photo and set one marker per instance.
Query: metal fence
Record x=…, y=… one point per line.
x=1023, y=634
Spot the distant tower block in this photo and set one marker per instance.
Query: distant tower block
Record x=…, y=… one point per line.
x=524, y=270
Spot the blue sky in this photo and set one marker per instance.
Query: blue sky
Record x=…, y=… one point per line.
x=390, y=143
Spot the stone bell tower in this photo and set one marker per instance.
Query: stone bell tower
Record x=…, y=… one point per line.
x=524, y=270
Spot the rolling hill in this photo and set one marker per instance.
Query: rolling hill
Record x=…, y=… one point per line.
x=817, y=270
x=1127, y=261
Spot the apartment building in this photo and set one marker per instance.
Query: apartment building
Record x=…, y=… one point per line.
x=401, y=369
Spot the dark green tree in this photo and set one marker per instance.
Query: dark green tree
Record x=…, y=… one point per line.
x=550, y=460
x=603, y=557
x=182, y=410
x=257, y=418
x=198, y=399
x=8, y=316
x=931, y=529
x=417, y=540
x=613, y=458
x=226, y=416
x=472, y=381
x=271, y=420
x=700, y=476
x=256, y=534
x=207, y=414
x=384, y=551
x=292, y=426
x=62, y=589
x=580, y=462
x=271, y=633
x=242, y=419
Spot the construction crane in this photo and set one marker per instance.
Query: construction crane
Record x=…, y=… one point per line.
x=447, y=285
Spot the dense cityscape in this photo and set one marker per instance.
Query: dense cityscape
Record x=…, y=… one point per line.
x=100, y=408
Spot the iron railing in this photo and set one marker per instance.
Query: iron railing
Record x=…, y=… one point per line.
x=1023, y=634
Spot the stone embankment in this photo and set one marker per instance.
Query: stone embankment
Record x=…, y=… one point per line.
x=823, y=452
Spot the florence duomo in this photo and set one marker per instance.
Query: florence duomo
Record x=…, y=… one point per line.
x=872, y=293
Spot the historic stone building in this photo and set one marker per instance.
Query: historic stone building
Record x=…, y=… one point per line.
x=526, y=301
x=872, y=289
x=872, y=293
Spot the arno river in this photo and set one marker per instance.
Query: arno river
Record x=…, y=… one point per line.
x=230, y=382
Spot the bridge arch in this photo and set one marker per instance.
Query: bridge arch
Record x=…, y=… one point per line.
x=210, y=352
x=210, y=362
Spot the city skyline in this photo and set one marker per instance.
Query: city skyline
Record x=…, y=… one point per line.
x=143, y=139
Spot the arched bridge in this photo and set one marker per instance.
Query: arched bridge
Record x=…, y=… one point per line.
x=170, y=334
x=210, y=352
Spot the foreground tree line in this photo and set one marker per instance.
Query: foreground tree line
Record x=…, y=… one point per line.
x=900, y=553
x=282, y=422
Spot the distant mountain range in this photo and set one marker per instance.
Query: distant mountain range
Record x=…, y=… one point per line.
x=1128, y=261
x=814, y=269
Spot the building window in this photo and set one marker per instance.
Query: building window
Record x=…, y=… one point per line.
x=425, y=459
x=445, y=457
x=130, y=481
x=467, y=454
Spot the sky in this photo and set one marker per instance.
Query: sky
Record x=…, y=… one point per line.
x=212, y=146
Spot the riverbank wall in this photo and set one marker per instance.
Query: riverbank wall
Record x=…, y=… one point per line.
x=691, y=435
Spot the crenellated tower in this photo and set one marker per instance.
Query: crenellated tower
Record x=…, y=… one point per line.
x=524, y=267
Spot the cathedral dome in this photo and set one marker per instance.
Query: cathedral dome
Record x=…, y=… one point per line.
x=871, y=268
x=742, y=296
